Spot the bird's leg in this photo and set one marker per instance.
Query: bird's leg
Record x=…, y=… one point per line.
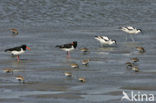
x=68, y=54
x=18, y=58
x=132, y=38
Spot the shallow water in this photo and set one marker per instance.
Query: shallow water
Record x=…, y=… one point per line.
x=43, y=24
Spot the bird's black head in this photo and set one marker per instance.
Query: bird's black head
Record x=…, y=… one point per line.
x=139, y=30
x=23, y=46
x=74, y=44
x=114, y=41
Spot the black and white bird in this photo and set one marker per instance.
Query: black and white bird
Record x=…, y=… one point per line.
x=104, y=40
x=130, y=30
x=17, y=50
x=68, y=47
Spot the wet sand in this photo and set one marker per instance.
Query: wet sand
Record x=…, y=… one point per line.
x=106, y=74
x=43, y=69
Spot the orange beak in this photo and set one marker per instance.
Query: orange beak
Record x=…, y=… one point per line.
x=28, y=48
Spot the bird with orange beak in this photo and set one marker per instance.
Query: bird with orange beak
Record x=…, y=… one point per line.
x=18, y=50
x=68, y=47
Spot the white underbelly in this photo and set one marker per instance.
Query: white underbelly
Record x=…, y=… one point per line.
x=107, y=43
x=132, y=32
x=17, y=52
x=66, y=49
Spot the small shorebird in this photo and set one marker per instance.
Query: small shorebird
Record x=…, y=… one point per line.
x=20, y=79
x=135, y=68
x=85, y=62
x=105, y=40
x=140, y=49
x=8, y=70
x=134, y=59
x=82, y=79
x=84, y=50
x=18, y=50
x=68, y=47
x=130, y=30
x=68, y=74
x=73, y=65
x=14, y=31
x=129, y=65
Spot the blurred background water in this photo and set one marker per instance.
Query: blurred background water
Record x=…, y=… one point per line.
x=42, y=24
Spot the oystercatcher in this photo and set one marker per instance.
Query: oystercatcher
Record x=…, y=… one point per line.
x=130, y=30
x=18, y=50
x=105, y=40
x=68, y=47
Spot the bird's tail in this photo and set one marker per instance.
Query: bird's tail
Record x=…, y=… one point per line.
x=58, y=46
x=120, y=28
x=6, y=50
x=96, y=37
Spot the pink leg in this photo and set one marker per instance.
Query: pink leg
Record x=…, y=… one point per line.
x=18, y=58
x=68, y=54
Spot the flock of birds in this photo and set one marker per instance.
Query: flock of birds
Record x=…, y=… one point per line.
x=104, y=40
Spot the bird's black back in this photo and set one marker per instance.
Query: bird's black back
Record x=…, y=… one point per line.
x=16, y=48
x=65, y=46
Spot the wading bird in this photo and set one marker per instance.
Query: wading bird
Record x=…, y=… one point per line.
x=17, y=51
x=68, y=47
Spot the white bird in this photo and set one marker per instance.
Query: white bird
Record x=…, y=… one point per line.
x=105, y=40
x=125, y=96
x=68, y=47
x=130, y=30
